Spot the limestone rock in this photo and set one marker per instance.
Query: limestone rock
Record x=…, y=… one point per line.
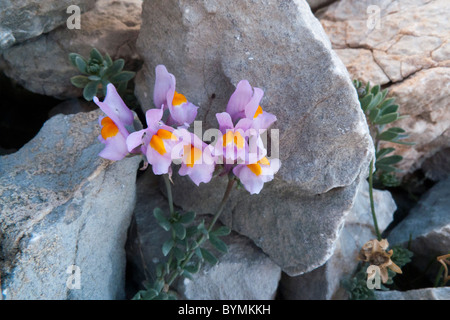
x=405, y=46
x=25, y=19
x=419, y=294
x=324, y=142
x=244, y=273
x=324, y=282
x=42, y=65
x=62, y=205
x=428, y=225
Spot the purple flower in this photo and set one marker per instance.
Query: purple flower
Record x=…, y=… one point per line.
x=253, y=176
x=245, y=103
x=113, y=133
x=238, y=143
x=156, y=142
x=182, y=112
x=197, y=159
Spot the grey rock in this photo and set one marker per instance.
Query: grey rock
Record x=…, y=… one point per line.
x=403, y=45
x=72, y=106
x=25, y=19
x=324, y=141
x=437, y=167
x=42, y=65
x=317, y=4
x=419, y=294
x=324, y=282
x=428, y=225
x=62, y=205
x=245, y=272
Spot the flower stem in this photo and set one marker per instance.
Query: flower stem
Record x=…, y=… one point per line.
x=169, y=193
x=205, y=237
x=372, y=203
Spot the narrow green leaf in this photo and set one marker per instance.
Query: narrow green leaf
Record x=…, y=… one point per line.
x=167, y=246
x=368, y=87
x=387, y=103
x=159, y=285
x=149, y=294
x=366, y=101
x=221, y=231
x=95, y=54
x=191, y=231
x=389, y=109
x=73, y=57
x=387, y=118
x=375, y=101
x=209, y=257
x=180, y=230
x=188, y=275
x=404, y=143
x=375, y=90
x=162, y=220
x=373, y=115
x=79, y=81
x=390, y=160
x=123, y=76
x=178, y=253
x=198, y=252
x=159, y=269
x=201, y=227
x=218, y=244
x=383, y=152
x=94, y=78
x=108, y=60
x=90, y=90
x=81, y=64
x=396, y=130
x=387, y=136
x=115, y=68
x=193, y=268
x=188, y=217
x=384, y=93
x=385, y=168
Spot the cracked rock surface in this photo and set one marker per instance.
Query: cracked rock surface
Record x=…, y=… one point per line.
x=404, y=45
x=62, y=205
x=42, y=65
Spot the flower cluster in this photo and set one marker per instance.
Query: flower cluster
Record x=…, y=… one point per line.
x=238, y=146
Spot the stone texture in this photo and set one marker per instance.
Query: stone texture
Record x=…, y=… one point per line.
x=24, y=19
x=244, y=273
x=324, y=282
x=437, y=167
x=428, y=225
x=63, y=205
x=409, y=53
x=316, y=4
x=324, y=142
x=420, y=294
x=112, y=27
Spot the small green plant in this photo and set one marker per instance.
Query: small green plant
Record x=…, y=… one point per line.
x=98, y=72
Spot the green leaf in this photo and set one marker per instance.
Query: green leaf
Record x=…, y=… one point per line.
x=162, y=220
x=90, y=90
x=72, y=58
x=201, y=227
x=180, y=230
x=404, y=143
x=193, y=268
x=387, y=118
x=115, y=68
x=178, y=253
x=159, y=269
x=159, y=285
x=373, y=115
x=387, y=136
x=95, y=54
x=366, y=101
x=375, y=101
x=387, y=103
x=108, y=60
x=188, y=275
x=375, y=90
x=123, y=76
x=396, y=130
x=384, y=93
x=389, y=160
x=389, y=109
x=149, y=294
x=167, y=246
x=94, y=78
x=79, y=81
x=218, y=244
x=209, y=257
x=221, y=231
x=187, y=218
x=198, y=252
x=81, y=64
x=383, y=152
x=385, y=168
x=191, y=231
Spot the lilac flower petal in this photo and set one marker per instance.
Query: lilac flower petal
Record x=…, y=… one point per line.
x=239, y=99
x=244, y=125
x=112, y=115
x=160, y=163
x=225, y=122
x=153, y=118
x=198, y=173
x=163, y=82
x=253, y=104
x=251, y=182
x=115, y=148
x=135, y=139
x=264, y=121
x=115, y=102
x=183, y=114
